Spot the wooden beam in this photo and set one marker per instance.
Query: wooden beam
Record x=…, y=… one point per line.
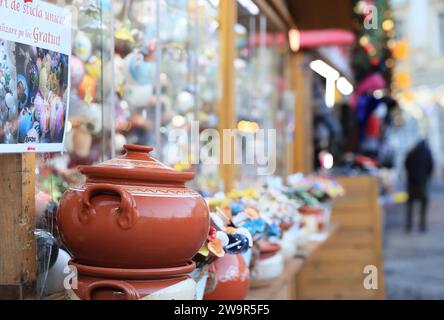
x=282, y=9
x=268, y=11
x=303, y=114
x=289, y=87
x=321, y=14
x=227, y=104
x=17, y=224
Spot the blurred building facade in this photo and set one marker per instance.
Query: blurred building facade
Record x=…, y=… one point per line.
x=420, y=25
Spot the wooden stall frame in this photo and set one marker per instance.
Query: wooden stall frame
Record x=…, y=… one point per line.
x=227, y=104
x=303, y=113
x=17, y=225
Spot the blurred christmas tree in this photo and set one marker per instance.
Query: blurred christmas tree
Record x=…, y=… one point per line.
x=373, y=27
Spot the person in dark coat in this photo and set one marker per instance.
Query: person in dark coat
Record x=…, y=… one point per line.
x=419, y=166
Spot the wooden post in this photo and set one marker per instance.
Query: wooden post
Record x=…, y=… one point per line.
x=289, y=88
x=303, y=113
x=17, y=224
x=227, y=104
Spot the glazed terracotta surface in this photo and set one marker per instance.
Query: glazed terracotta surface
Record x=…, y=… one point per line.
x=311, y=210
x=133, y=212
x=317, y=212
x=268, y=249
x=232, y=279
x=94, y=283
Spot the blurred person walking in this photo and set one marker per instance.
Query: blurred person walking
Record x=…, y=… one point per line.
x=419, y=165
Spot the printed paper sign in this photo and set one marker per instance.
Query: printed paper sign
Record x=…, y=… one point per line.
x=35, y=49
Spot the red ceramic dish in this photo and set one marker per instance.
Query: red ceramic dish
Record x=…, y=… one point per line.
x=285, y=226
x=133, y=212
x=124, y=284
x=311, y=210
x=268, y=249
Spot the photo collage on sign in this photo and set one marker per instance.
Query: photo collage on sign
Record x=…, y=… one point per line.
x=33, y=94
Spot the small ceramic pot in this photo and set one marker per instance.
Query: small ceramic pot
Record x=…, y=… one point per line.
x=303, y=238
x=317, y=212
x=269, y=266
x=232, y=279
x=56, y=274
x=327, y=206
x=95, y=283
x=133, y=212
x=268, y=249
x=289, y=243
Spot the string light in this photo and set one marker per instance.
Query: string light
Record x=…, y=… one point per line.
x=363, y=41
x=294, y=37
x=387, y=25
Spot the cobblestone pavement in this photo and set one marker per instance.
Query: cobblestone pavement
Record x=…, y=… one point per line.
x=414, y=263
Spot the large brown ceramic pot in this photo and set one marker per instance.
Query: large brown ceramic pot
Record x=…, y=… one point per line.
x=96, y=283
x=232, y=279
x=133, y=212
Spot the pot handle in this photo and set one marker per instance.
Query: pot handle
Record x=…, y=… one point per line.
x=129, y=291
x=127, y=210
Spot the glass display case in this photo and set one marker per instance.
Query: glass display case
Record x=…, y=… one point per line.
x=166, y=68
x=148, y=72
x=264, y=99
x=208, y=85
x=89, y=130
x=139, y=70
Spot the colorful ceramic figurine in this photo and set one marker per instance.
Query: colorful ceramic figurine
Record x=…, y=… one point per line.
x=22, y=91
x=25, y=124
x=41, y=113
x=32, y=78
x=11, y=103
x=43, y=81
x=141, y=70
x=82, y=46
x=77, y=71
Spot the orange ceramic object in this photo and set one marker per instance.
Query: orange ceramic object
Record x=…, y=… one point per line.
x=311, y=210
x=87, y=87
x=232, y=278
x=268, y=249
x=133, y=212
x=95, y=283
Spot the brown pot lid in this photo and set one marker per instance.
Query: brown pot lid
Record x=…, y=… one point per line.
x=136, y=164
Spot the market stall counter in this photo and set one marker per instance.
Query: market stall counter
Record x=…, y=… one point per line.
x=284, y=288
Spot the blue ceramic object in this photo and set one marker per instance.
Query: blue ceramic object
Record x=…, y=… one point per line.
x=236, y=208
x=273, y=230
x=238, y=244
x=142, y=71
x=23, y=100
x=255, y=226
x=24, y=125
